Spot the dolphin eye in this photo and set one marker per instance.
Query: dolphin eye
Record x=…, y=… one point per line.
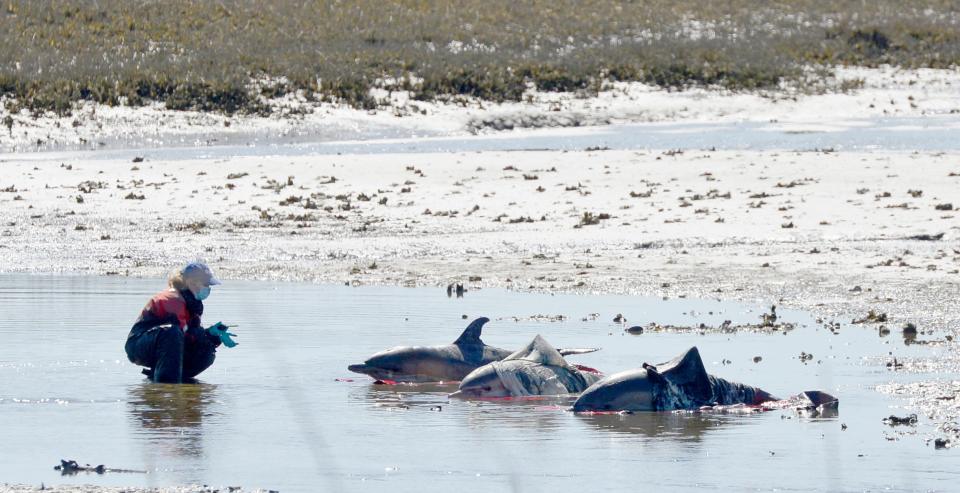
x=487, y=388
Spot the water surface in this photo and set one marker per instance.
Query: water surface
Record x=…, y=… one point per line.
x=929, y=133
x=280, y=410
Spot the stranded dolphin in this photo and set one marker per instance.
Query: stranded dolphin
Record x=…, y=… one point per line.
x=537, y=369
x=447, y=363
x=682, y=383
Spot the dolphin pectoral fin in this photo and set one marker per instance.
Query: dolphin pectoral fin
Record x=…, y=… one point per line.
x=471, y=335
x=569, y=351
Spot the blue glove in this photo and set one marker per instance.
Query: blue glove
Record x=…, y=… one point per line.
x=220, y=330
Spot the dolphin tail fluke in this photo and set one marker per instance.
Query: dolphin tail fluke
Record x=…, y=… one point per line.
x=760, y=396
x=818, y=398
x=471, y=335
x=569, y=351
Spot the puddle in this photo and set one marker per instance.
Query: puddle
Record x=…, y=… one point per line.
x=281, y=411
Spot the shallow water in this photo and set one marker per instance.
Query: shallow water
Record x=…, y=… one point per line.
x=272, y=413
x=929, y=133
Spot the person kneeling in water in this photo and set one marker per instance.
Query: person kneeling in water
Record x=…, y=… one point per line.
x=167, y=338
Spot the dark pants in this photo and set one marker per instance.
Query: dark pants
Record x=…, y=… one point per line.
x=172, y=355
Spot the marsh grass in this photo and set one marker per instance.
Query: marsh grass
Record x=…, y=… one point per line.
x=203, y=55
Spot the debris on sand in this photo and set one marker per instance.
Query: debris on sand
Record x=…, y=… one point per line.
x=926, y=237
x=910, y=330
x=71, y=467
x=727, y=327
x=897, y=420
x=590, y=219
x=873, y=317
x=455, y=288
x=941, y=443
x=539, y=317
x=769, y=319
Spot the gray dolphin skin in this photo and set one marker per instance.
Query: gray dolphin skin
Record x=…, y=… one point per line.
x=681, y=383
x=446, y=363
x=537, y=369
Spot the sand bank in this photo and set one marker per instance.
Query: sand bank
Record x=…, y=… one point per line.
x=879, y=93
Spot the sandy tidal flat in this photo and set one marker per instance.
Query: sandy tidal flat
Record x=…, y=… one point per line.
x=671, y=223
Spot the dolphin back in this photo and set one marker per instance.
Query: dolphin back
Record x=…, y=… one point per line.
x=523, y=378
x=681, y=383
x=539, y=369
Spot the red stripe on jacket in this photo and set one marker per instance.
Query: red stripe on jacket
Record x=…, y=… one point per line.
x=167, y=303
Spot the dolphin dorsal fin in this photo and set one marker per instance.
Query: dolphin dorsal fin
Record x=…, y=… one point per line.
x=687, y=371
x=471, y=335
x=539, y=351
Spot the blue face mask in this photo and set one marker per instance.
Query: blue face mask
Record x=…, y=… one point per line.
x=203, y=293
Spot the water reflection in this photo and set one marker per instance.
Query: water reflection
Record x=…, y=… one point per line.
x=543, y=413
x=661, y=425
x=399, y=397
x=171, y=416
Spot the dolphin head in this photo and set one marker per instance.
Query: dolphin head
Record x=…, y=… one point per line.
x=484, y=382
x=386, y=365
x=414, y=364
x=631, y=390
